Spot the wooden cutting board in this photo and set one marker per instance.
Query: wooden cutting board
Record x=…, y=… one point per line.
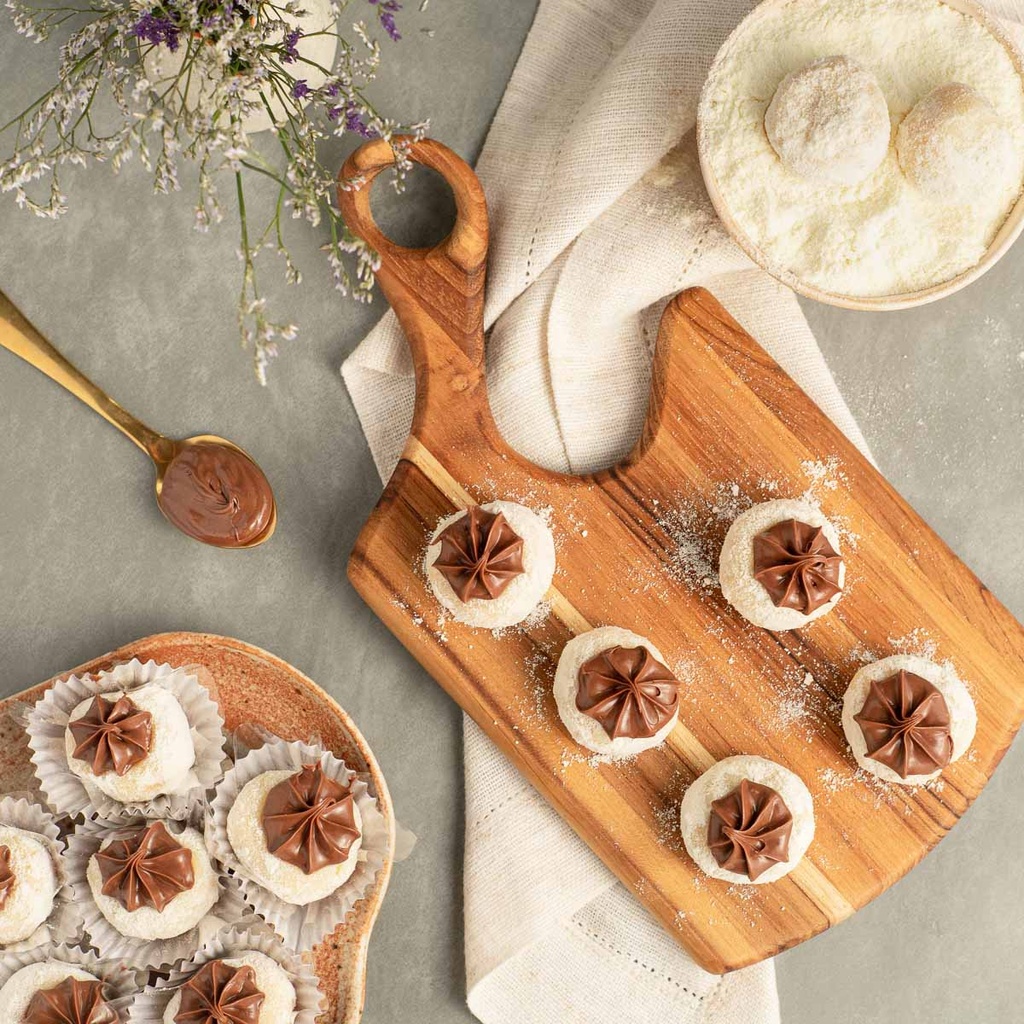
x=251, y=686
x=637, y=547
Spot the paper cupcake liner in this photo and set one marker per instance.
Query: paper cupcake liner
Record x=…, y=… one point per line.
x=66, y=793
x=120, y=981
x=156, y=954
x=301, y=927
x=65, y=921
x=149, y=1007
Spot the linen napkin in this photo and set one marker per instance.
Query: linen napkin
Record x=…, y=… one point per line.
x=598, y=216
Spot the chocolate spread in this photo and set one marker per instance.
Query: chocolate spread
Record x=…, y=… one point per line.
x=749, y=830
x=628, y=691
x=480, y=555
x=310, y=820
x=6, y=875
x=217, y=495
x=905, y=723
x=148, y=868
x=70, y=1002
x=112, y=735
x=220, y=994
x=797, y=565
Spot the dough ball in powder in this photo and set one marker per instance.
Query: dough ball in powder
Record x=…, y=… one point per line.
x=523, y=594
x=30, y=901
x=829, y=122
x=183, y=913
x=742, y=589
x=963, y=716
x=588, y=731
x=248, y=839
x=17, y=993
x=720, y=780
x=271, y=979
x=954, y=146
x=165, y=769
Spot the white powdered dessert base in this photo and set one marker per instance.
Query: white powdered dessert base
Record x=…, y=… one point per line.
x=588, y=731
x=720, y=780
x=183, y=913
x=24, y=984
x=271, y=979
x=523, y=593
x=963, y=716
x=170, y=759
x=883, y=235
x=249, y=841
x=736, y=566
x=31, y=900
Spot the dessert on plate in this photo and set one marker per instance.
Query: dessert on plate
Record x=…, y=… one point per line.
x=492, y=564
x=614, y=693
x=780, y=566
x=747, y=820
x=906, y=718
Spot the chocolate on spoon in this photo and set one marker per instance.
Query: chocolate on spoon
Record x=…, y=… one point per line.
x=206, y=486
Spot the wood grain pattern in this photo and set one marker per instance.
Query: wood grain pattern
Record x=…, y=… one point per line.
x=252, y=686
x=725, y=425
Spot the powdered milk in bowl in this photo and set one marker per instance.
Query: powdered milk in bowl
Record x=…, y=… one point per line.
x=868, y=153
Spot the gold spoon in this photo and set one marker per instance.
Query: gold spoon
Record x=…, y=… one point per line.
x=207, y=487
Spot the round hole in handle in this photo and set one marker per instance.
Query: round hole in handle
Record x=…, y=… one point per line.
x=419, y=216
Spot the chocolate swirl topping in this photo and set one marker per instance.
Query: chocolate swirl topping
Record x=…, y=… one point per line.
x=146, y=869
x=113, y=735
x=220, y=994
x=480, y=555
x=797, y=565
x=749, y=830
x=217, y=495
x=310, y=820
x=628, y=691
x=6, y=876
x=70, y=1002
x=905, y=723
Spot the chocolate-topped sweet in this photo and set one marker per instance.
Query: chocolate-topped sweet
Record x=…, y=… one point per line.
x=480, y=555
x=71, y=1002
x=217, y=494
x=749, y=829
x=906, y=727
x=146, y=869
x=797, y=565
x=220, y=994
x=6, y=875
x=310, y=820
x=628, y=691
x=112, y=735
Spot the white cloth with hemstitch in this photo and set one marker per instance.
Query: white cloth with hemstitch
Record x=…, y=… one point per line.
x=598, y=216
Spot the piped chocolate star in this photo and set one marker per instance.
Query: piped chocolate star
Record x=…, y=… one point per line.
x=112, y=735
x=148, y=868
x=480, y=555
x=797, y=565
x=70, y=1002
x=220, y=994
x=749, y=830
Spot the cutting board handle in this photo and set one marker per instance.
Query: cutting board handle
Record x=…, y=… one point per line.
x=437, y=292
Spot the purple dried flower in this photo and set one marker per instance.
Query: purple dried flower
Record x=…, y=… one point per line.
x=291, y=41
x=300, y=90
x=156, y=29
x=386, y=11
x=353, y=120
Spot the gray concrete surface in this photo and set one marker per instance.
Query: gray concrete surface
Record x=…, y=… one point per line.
x=127, y=290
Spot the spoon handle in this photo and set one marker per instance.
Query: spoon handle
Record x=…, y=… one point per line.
x=21, y=338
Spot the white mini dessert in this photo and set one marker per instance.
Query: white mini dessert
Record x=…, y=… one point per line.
x=248, y=838
x=271, y=979
x=829, y=122
x=168, y=762
x=719, y=781
x=962, y=714
x=740, y=586
x=184, y=911
x=954, y=146
x=30, y=897
x=16, y=995
x=586, y=729
x=521, y=594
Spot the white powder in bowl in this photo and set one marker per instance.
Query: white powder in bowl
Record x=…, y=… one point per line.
x=883, y=235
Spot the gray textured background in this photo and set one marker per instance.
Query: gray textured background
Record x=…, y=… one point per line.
x=146, y=307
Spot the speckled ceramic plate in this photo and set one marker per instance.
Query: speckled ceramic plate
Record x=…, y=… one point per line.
x=253, y=686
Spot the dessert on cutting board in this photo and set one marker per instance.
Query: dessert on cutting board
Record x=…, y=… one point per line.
x=866, y=148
